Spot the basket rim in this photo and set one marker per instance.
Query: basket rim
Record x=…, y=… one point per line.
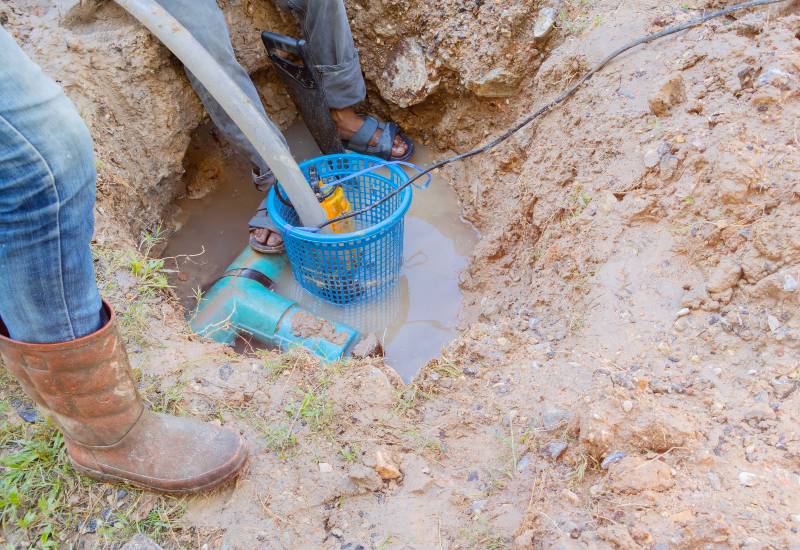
x=298, y=233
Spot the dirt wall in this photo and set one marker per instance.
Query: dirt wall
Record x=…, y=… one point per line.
x=627, y=376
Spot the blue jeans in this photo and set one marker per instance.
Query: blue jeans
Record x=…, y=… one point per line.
x=47, y=191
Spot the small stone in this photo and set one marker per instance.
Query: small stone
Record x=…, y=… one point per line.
x=545, y=23
x=497, y=82
x=627, y=406
x=553, y=418
x=683, y=312
x=776, y=77
x=386, y=467
x=336, y=532
x=490, y=310
x=141, y=542
x=610, y=459
x=364, y=478
x=789, y=283
x=622, y=379
x=651, y=158
x=470, y=371
x=225, y=371
x=773, y=323
x=747, y=479
x=26, y=411
x=472, y=476
x=88, y=527
x=325, y=468
x=523, y=463
x=724, y=276
x=659, y=386
x=635, y=474
x=571, y=497
x=554, y=449
x=668, y=165
x=369, y=346
x=759, y=411
x=478, y=505
x=672, y=93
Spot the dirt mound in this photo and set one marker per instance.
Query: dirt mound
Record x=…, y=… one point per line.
x=626, y=375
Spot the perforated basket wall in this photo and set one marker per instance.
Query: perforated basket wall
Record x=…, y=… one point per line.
x=350, y=267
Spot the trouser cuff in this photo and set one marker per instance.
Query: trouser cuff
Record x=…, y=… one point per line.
x=343, y=84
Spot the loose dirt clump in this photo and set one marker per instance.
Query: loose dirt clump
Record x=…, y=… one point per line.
x=305, y=325
x=626, y=374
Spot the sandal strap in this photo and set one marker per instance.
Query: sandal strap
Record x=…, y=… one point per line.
x=261, y=219
x=385, y=143
x=265, y=181
x=363, y=135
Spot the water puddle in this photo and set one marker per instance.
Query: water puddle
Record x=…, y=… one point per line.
x=414, y=321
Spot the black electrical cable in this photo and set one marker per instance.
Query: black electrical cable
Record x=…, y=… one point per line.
x=560, y=99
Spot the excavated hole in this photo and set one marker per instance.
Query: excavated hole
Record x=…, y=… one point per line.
x=414, y=322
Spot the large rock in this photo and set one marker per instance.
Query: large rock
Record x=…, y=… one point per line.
x=405, y=81
x=498, y=82
x=545, y=23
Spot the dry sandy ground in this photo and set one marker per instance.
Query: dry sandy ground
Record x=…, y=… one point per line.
x=627, y=372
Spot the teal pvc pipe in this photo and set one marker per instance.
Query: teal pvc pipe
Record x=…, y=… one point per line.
x=235, y=306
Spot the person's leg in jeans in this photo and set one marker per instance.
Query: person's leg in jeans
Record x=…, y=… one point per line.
x=56, y=337
x=47, y=191
x=326, y=29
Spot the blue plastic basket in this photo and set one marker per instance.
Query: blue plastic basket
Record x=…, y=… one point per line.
x=348, y=267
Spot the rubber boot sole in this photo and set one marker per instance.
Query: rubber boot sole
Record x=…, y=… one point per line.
x=111, y=478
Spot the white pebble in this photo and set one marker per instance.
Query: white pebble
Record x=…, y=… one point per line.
x=789, y=283
x=627, y=406
x=683, y=312
x=773, y=323
x=747, y=479
x=325, y=468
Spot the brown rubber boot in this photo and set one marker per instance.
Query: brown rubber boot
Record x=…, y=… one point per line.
x=87, y=387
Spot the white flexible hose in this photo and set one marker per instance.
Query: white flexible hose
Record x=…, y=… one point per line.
x=235, y=102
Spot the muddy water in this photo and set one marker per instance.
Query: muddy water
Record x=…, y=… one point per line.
x=413, y=322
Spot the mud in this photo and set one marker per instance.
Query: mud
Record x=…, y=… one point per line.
x=305, y=325
x=413, y=322
x=626, y=374
x=420, y=316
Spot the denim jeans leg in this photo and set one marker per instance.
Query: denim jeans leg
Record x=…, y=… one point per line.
x=330, y=44
x=205, y=20
x=48, y=291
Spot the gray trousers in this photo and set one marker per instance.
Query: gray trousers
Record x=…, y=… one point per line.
x=330, y=44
